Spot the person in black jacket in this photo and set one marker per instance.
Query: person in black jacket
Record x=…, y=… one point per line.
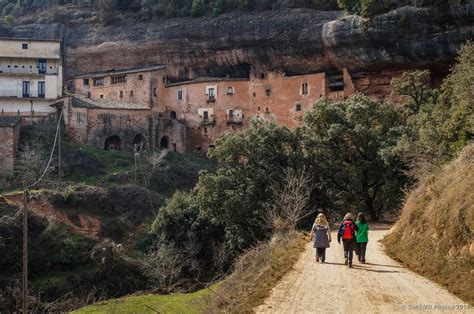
x=347, y=232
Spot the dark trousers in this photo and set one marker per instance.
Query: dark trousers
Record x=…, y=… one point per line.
x=348, y=249
x=321, y=253
x=361, y=249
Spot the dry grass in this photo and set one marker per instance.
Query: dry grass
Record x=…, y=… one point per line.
x=434, y=235
x=257, y=272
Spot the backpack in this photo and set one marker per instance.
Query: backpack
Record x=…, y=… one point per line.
x=348, y=230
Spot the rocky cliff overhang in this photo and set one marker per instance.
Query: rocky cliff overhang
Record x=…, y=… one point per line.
x=295, y=41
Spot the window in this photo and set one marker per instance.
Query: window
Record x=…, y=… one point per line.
x=85, y=82
x=42, y=66
x=140, y=77
x=179, y=94
x=164, y=79
x=101, y=95
x=131, y=93
x=254, y=94
x=79, y=118
x=41, y=89
x=230, y=90
x=231, y=115
x=211, y=93
x=26, y=89
x=267, y=110
x=205, y=130
x=211, y=146
x=298, y=107
x=121, y=94
x=205, y=117
x=24, y=46
x=268, y=91
x=154, y=92
x=262, y=75
x=304, y=89
x=118, y=79
x=258, y=108
x=99, y=82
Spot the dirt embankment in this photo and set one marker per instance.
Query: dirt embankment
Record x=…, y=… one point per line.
x=380, y=286
x=81, y=224
x=434, y=235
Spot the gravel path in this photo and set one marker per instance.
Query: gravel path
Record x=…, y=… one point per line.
x=380, y=286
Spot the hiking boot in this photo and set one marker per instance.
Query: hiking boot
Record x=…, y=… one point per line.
x=317, y=259
x=350, y=265
x=346, y=261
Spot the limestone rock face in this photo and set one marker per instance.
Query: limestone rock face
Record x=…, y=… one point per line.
x=296, y=41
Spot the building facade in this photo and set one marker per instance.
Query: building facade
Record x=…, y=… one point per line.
x=30, y=77
x=9, y=135
x=190, y=115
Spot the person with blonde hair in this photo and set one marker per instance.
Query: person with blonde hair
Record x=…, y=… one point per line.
x=321, y=236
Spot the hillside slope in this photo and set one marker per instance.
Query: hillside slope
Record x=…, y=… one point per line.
x=434, y=235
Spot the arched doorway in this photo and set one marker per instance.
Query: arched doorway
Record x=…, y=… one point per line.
x=113, y=143
x=139, y=143
x=173, y=115
x=164, y=142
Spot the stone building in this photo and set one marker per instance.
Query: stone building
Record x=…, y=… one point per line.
x=9, y=137
x=30, y=77
x=190, y=115
x=119, y=109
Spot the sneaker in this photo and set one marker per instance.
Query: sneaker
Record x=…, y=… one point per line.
x=350, y=265
x=346, y=261
x=317, y=259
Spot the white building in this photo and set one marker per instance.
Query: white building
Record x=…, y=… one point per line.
x=31, y=76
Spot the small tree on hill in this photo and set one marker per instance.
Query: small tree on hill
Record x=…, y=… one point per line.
x=198, y=8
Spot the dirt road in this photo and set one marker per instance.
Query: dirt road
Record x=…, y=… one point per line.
x=380, y=286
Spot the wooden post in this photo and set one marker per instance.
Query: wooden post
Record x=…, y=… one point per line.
x=25, y=252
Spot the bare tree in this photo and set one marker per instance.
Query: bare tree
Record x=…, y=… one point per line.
x=31, y=162
x=289, y=201
x=148, y=163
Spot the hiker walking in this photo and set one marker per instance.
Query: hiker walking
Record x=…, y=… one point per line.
x=347, y=231
x=362, y=237
x=322, y=237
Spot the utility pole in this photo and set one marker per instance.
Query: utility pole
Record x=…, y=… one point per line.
x=59, y=146
x=25, y=252
x=59, y=111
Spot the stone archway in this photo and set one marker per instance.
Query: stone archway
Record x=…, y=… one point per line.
x=139, y=143
x=164, y=142
x=173, y=115
x=113, y=143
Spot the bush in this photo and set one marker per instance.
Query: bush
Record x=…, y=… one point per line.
x=197, y=8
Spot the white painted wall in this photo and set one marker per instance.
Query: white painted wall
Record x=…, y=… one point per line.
x=36, y=49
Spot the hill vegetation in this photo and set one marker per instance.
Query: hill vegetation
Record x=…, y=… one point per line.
x=434, y=233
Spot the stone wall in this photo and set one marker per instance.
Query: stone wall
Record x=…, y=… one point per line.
x=8, y=148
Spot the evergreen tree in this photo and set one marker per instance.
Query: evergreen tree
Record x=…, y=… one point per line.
x=198, y=8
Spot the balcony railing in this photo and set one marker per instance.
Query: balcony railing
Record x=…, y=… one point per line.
x=27, y=71
x=13, y=93
x=207, y=121
x=211, y=98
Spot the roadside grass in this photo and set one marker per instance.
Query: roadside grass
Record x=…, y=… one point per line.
x=196, y=302
x=434, y=233
x=257, y=272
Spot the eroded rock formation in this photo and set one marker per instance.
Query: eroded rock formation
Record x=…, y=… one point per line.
x=295, y=41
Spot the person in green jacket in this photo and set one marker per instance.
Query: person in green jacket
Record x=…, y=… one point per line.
x=362, y=237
